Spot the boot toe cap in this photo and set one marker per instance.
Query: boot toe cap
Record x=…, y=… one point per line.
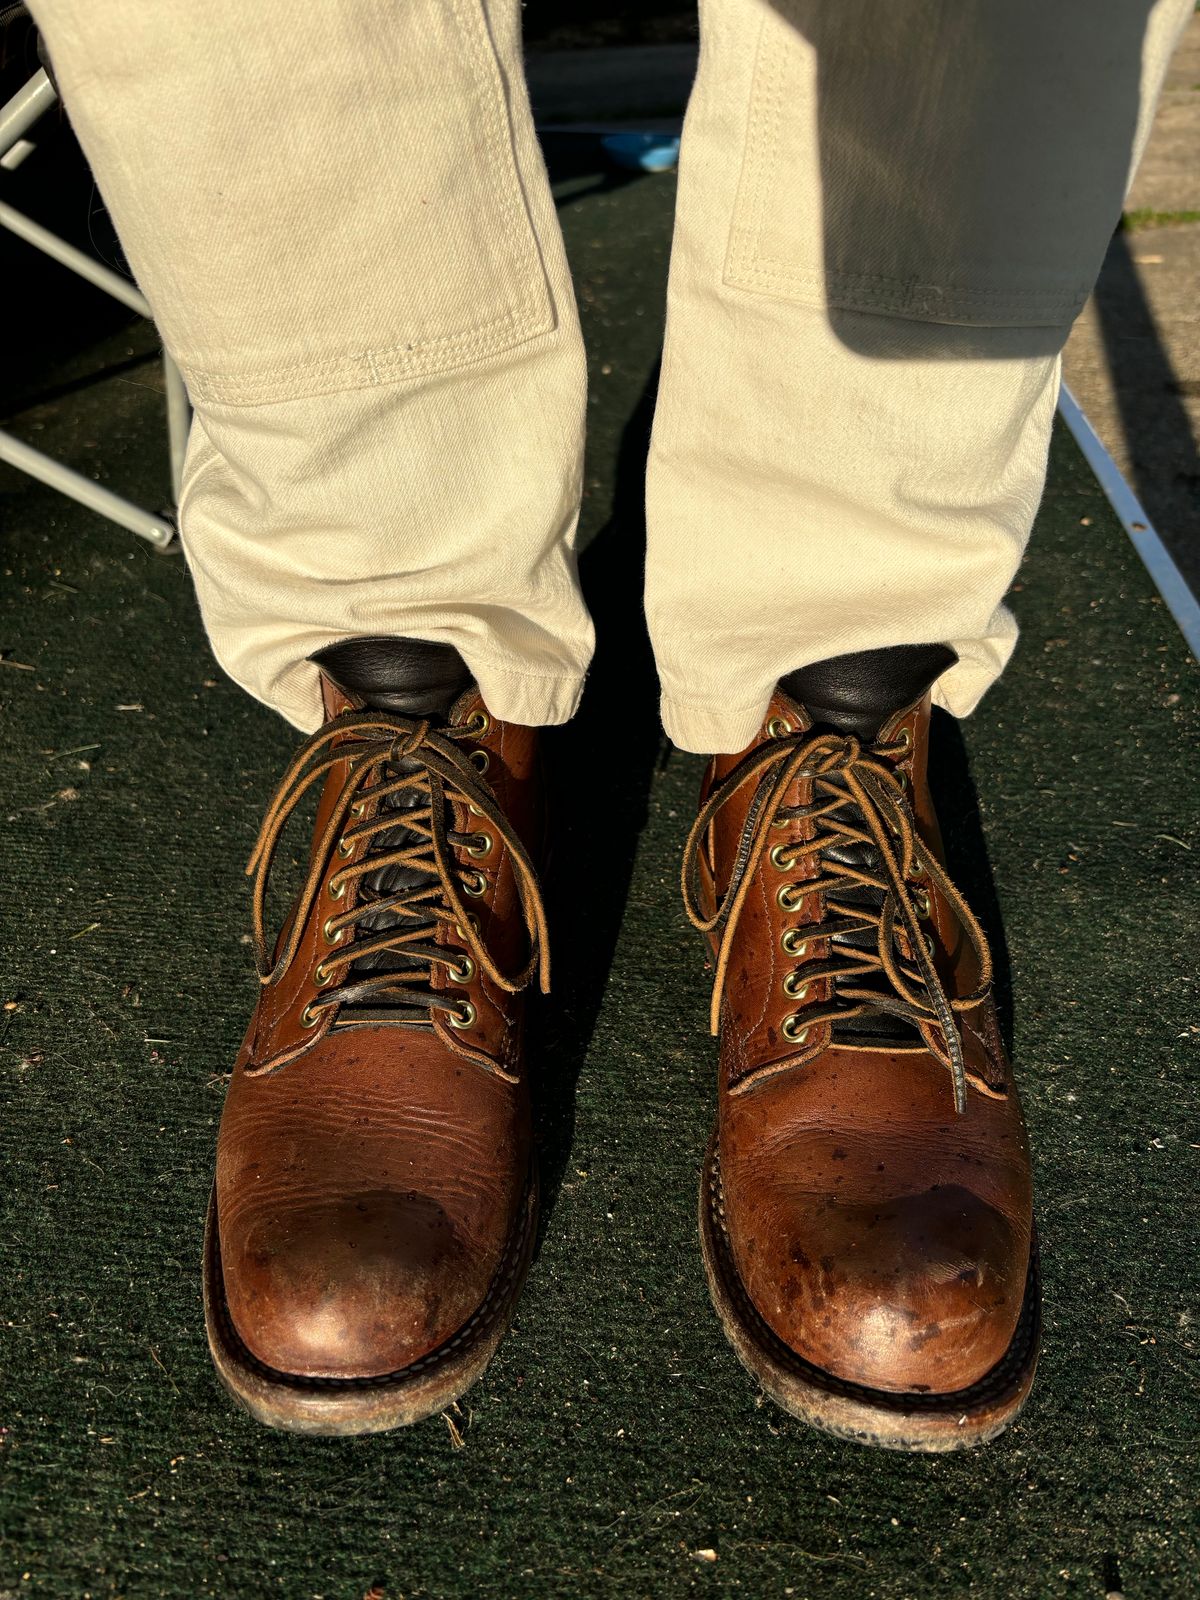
x=917, y=1294
x=353, y=1287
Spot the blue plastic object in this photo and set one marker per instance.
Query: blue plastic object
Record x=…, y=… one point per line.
x=642, y=152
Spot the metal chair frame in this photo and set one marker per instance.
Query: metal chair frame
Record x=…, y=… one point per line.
x=16, y=118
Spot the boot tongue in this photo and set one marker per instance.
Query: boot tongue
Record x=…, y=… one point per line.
x=859, y=693
x=411, y=676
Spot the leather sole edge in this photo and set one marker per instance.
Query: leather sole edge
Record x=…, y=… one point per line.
x=344, y=1407
x=921, y=1423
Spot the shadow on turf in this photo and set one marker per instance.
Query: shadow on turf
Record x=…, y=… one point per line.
x=600, y=767
x=571, y=156
x=1149, y=392
x=956, y=800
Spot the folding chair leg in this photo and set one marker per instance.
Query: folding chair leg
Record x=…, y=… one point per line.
x=17, y=116
x=46, y=470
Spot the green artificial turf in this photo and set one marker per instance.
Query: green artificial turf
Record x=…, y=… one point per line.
x=1146, y=217
x=615, y=1447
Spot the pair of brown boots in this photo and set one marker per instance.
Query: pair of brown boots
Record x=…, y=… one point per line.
x=865, y=1206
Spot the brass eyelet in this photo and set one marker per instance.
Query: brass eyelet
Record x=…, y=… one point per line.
x=480, y=760
x=463, y=1017
x=475, y=884
x=336, y=887
x=791, y=1029
x=788, y=900
x=473, y=920
x=921, y=900
x=345, y=848
x=322, y=976
x=778, y=728
x=357, y=809
x=927, y=942
x=778, y=851
x=463, y=972
x=332, y=935
x=480, y=846
x=478, y=724
x=795, y=987
x=793, y=944
x=308, y=1017
x=904, y=739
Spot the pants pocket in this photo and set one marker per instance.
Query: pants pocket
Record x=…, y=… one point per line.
x=950, y=161
x=315, y=198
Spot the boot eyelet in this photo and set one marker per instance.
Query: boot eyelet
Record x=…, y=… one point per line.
x=463, y=972
x=795, y=987
x=345, y=848
x=921, y=900
x=778, y=728
x=308, y=1017
x=790, y=897
x=778, y=851
x=332, y=935
x=930, y=948
x=480, y=760
x=475, y=884
x=480, y=846
x=792, y=1030
x=478, y=724
x=463, y=1017
x=473, y=920
x=793, y=944
x=322, y=976
x=336, y=887
x=904, y=739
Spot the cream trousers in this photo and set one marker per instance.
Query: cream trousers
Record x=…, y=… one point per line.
x=889, y=215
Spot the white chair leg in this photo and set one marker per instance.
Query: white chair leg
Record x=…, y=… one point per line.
x=66, y=480
x=16, y=118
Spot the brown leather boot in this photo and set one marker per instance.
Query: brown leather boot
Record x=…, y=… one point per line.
x=375, y=1198
x=866, y=1206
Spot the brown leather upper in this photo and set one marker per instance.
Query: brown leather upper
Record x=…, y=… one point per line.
x=884, y=1236
x=370, y=1173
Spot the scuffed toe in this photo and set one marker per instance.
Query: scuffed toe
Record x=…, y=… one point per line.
x=920, y=1293
x=351, y=1288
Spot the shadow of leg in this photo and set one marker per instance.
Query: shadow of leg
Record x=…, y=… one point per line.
x=957, y=801
x=600, y=766
x=1163, y=454
x=578, y=166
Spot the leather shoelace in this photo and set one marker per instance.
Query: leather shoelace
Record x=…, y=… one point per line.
x=858, y=799
x=402, y=755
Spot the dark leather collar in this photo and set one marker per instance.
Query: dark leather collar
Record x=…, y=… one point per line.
x=858, y=693
x=412, y=676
